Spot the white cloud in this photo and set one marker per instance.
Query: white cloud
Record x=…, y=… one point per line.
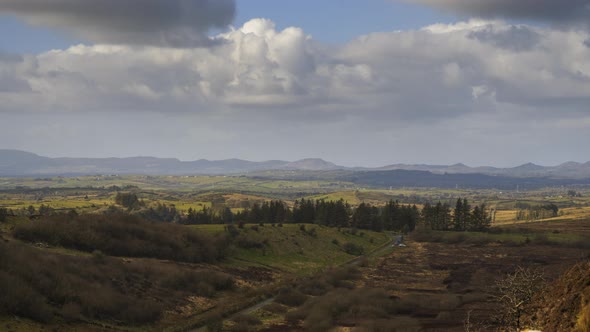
x=421, y=72
x=259, y=77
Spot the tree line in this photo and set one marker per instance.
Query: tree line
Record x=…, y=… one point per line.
x=392, y=217
x=538, y=212
x=463, y=217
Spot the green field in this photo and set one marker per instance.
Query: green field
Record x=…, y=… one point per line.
x=289, y=249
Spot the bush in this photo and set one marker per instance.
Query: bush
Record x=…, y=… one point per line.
x=291, y=297
x=353, y=249
x=124, y=235
x=322, y=313
x=82, y=288
x=275, y=308
x=203, y=283
x=245, y=323
x=315, y=287
x=19, y=298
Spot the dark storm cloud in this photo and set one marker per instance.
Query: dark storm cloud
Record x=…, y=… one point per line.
x=516, y=38
x=558, y=11
x=176, y=23
x=9, y=80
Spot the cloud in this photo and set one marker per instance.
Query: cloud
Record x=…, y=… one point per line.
x=570, y=11
x=263, y=89
x=175, y=23
x=515, y=38
x=437, y=72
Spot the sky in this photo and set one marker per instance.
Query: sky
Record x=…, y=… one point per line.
x=358, y=83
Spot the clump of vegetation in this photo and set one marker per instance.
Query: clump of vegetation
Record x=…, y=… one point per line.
x=202, y=283
x=353, y=249
x=245, y=323
x=124, y=235
x=291, y=297
x=323, y=313
x=275, y=308
x=341, y=277
x=4, y=213
x=128, y=200
x=80, y=287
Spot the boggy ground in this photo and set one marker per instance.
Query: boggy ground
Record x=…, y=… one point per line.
x=450, y=283
x=446, y=281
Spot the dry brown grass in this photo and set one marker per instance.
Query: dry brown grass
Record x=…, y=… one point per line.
x=583, y=322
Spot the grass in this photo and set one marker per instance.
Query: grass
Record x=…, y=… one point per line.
x=292, y=250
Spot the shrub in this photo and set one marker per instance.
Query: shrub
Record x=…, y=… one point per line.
x=363, y=261
x=322, y=313
x=245, y=323
x=291, y=297
x=203, y=283
x=353, y=249
x=124, y=235
x=80, y=288
x=312, y=232
x=19, y=298
x=275, y=308
x=315, y=287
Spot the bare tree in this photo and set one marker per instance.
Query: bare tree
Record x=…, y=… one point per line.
x=516, y=291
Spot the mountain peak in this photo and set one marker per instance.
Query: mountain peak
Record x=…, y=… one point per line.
x=312, y=164
x=459, y=165
x=529, y=167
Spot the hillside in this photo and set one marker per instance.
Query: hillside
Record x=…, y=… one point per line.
x=565, y=305
x=122, y=273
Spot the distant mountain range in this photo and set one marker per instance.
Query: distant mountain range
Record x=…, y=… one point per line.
x=570, y=170
x=20, y=163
